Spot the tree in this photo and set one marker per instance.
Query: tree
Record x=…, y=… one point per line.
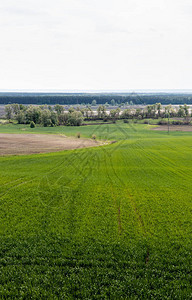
x=181, y=111
x=22, y=107
x=151, y=111
x=54, y=119
x=8, y=112
x=114, y=113
x=159, y=107
x=126, y=114
x=20, y=117
x=59, y=109
x=118, y=110
x=75, y=118
x=91, y=113
x=71, y=109
x=85, y=112
x=113, y=102
x=15, y=108
x=186, y=110
x=103, y=111
x=46, y=118
x=94, y=103
x=99, y=111
x=138, y=113
x=33, y=113
x=63, y=118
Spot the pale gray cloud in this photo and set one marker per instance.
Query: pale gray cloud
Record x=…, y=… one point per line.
x=97, y=44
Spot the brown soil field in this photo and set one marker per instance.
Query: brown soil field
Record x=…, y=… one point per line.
x=14, y=144
x=174, y=128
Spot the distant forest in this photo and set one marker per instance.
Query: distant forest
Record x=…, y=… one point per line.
x=94, y=99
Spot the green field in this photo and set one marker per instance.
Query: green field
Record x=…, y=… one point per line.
x=111, y=222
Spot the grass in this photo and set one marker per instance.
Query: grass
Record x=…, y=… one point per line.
x=112, y=222
x=118, y=131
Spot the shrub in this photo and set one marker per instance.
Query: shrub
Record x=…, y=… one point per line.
x=32, y=124
x=94, y=137
x=177, y=122
x=162, y=122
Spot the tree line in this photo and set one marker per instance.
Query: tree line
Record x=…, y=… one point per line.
x=98, y=98
x=47, y=115
x=44, y=115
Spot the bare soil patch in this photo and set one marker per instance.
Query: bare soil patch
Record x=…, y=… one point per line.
x=14, y=144
x=174, y=128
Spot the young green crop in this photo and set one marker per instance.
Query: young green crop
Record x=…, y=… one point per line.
x=112, y=222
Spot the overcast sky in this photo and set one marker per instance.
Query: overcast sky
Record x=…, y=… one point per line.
x=95, y=44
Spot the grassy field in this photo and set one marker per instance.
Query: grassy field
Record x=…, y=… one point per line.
x=112, y=222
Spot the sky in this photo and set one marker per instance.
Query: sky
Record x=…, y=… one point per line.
x=95, y=45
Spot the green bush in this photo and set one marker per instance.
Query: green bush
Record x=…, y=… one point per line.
x=32, y=124
x=94, y=137
x=162, y=122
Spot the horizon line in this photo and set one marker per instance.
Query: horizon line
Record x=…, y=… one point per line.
x=93, y=90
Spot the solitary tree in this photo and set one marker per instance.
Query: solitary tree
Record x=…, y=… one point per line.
x=94, y=103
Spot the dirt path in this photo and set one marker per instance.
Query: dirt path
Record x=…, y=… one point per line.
x=40, y=143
